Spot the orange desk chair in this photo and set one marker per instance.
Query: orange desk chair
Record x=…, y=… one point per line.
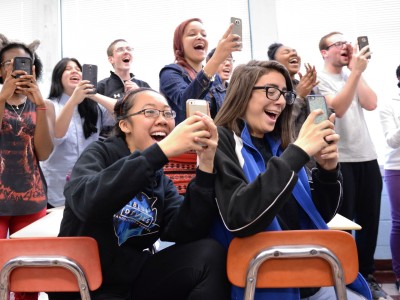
x=54, y=264
x=301, y=258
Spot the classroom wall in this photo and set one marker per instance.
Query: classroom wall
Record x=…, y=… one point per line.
x=41, y=19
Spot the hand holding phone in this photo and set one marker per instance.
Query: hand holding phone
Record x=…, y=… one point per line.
x=315, y=102
x=24, y=64
x=89, y=72
x=362, y=42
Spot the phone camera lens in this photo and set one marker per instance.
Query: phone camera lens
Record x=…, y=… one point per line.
x=237, y=22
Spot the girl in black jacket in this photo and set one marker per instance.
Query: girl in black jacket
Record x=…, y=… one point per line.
x=119, y=195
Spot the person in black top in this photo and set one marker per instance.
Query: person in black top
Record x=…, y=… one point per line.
x=121, y=80
x=119, y=195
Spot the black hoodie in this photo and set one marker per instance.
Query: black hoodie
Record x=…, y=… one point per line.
x=126, y=203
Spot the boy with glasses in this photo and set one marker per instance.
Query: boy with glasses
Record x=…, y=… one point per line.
x=216, y=94
x=348, y=94
x=120, y=55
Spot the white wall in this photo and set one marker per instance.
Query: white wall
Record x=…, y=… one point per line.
x=299, y=24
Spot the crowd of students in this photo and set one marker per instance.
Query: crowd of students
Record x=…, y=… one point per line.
x=261, y=162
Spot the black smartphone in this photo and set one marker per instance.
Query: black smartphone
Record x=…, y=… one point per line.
x=362, y=42
x=237, y=26
x=24, y=64
x=89, y=72
x=317, y=101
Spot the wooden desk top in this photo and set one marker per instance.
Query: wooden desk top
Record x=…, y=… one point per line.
x=341, y=223
x=47, y=226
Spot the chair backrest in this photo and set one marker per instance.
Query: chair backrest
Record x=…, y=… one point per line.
x=53, y=264
x=298, y=258
x=181, y=169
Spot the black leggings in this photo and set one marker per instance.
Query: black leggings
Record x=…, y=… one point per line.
x=193, y=271
x=362, y=188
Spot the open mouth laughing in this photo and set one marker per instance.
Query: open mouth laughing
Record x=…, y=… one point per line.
x=158, y=135
x=273, y=115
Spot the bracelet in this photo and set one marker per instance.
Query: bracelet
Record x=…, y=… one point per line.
x=210, y=77
x=300, y=97
x=41, y=108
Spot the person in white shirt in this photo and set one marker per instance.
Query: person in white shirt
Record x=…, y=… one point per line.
x=79, y=121
x=348, y=94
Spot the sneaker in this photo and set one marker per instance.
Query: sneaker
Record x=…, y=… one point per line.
x=376, y=289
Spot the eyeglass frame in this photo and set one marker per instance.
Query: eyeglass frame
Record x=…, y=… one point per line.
x=230, y=59
x=123, y=49
x=338, y=44
x=289, y=101
x=143, y=111
x=8, y=61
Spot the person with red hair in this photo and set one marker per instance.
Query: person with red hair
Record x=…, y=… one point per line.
x=187, y=78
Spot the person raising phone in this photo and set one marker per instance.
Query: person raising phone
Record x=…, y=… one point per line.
x=79, y=121
x=119, y=195
x=187, y=78
x=261, y=182
x=348, y=93
x=25, y=139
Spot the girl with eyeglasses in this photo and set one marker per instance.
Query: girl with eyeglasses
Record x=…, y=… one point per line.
x=119, y=195
x=261, y=182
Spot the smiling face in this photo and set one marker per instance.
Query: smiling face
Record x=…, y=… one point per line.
x=225, y=69
x=262, y=113
x=289, y=58
x=141, y=131
x=71, y=77
x=195, y=43
x=337, y=56
x=121, y=57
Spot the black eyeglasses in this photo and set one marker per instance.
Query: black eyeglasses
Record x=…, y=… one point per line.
x=153, y=113
x=273, y=93
x=338, y=45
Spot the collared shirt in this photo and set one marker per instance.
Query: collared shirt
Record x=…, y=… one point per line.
x=216, y=95
x=67, y=149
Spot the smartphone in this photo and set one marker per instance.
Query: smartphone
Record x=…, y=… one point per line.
x=193, y=105
x=317, y=101
x=89, y=72
x=362, y=42
x=237, y=26
x=24, y=64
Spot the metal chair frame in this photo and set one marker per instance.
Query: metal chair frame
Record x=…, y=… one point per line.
x=56, y=264
x=301, y=258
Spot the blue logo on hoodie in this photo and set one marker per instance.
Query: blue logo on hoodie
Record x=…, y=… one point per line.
x=137, y=218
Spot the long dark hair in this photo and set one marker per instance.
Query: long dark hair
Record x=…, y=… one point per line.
x=88, y=109
x=238, y=96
